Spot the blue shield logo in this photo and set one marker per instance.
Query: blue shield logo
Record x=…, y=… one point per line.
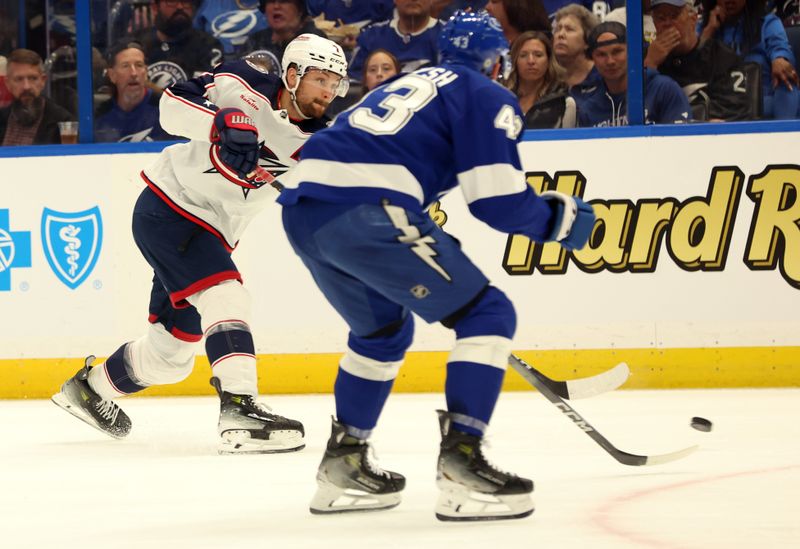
x=72, y=243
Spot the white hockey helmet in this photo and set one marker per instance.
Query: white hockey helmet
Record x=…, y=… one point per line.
x=310, y=51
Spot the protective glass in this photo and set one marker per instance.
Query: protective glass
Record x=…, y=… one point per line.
x=327, y=80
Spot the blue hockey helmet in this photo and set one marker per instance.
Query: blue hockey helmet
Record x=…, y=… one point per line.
x=475, y=40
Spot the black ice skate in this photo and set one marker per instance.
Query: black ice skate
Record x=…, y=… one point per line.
x=348, y=480
x=470, y=487
x=248, y=427
x=77, y=398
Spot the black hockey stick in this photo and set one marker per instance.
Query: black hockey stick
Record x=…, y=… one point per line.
x=583, y=387
x=543, y=384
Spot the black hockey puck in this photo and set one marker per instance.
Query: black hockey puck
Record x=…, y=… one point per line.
x=701, y=424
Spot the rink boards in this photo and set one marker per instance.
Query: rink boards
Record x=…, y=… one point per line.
x=692, y=276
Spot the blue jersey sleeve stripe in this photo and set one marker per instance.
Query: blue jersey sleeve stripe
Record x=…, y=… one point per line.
x=490, y=181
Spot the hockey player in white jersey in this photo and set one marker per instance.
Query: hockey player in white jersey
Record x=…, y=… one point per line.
x=355, y=212
x=198, y=199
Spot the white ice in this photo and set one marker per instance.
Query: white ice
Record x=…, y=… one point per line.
x=64, y=485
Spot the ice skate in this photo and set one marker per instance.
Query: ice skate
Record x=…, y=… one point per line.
x=78, y=398
x=470, y=487
x=348, y=480
x=248, y=427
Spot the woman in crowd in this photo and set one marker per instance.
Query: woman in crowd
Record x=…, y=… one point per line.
x=758, y=36
x=571, y=25
x=536, y=80
x=380, y=65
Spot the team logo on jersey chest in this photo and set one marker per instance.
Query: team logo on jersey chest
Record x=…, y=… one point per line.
x=166, y=73
x=72, y=242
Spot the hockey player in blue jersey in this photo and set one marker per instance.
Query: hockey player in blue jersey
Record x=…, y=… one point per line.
x=355, y=213
x=199, y=198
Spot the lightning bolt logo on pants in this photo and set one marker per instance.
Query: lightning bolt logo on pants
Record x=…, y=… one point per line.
x=420, y=245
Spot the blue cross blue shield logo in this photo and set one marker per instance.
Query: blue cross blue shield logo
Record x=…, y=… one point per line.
x=72, y=242
x=15, y=250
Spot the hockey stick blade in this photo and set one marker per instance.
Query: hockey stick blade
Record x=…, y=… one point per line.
x=584, y=387
x=539, y=380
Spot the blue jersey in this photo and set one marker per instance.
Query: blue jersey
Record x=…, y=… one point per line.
x=664, y=102
x=413, y=139
x=140, y=124
x=412, y=50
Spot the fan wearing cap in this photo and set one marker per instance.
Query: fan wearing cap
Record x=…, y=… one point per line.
x=710, y=73
x=603, y=101
x=131, y=114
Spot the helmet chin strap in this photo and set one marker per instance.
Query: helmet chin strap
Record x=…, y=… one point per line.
x=293, y=99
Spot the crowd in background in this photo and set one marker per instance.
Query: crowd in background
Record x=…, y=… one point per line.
x=705, y=60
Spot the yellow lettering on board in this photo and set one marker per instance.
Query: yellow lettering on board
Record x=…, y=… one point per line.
x=775, y=229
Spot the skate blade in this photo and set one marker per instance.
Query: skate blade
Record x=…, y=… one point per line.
x=457, y=503
x=240, y=442
x=61, y=400
x=331, y=500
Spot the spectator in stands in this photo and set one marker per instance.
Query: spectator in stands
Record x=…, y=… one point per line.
x=536, y=81
x=231, y=22
x=745, y=26
x=32, y=118
x=620, y=15
x=287, y=20
x=571, y=27
x=379, y=66
x=412, y=36
x=709, y=72
x=175, y=50
x=603, y=101
x=131, y=114
x=518, y=16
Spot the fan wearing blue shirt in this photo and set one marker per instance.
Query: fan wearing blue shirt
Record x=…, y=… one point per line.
x=602, y=100
x=131, y=114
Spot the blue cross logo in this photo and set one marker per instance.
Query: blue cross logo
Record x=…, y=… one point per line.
x=15, y=250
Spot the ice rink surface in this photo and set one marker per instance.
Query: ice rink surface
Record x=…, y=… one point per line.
x=64, y=485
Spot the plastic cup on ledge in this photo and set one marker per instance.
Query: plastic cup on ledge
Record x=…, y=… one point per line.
x=69, y=132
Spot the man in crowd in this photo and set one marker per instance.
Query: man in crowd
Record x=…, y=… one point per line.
x=710, y=73
x=175, y=49
x=602, y=101
x=131, y=114
x=32, y=118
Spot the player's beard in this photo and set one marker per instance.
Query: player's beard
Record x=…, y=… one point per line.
x=313, y=108
x=177, y=23
x=27, y=109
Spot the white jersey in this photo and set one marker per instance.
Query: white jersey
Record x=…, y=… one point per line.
x=191, y=178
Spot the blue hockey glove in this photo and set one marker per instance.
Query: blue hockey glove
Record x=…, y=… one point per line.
x=237, y=137
x=574, y=220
